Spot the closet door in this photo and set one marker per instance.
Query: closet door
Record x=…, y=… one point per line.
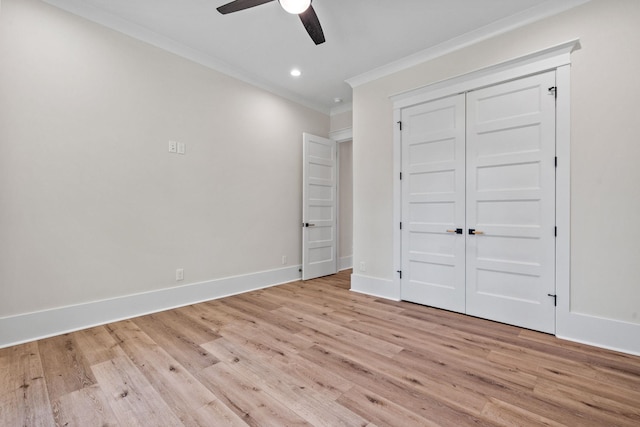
x=511, y=203
x=433, y=186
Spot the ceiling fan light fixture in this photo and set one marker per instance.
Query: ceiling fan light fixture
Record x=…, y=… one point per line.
x=295, y=7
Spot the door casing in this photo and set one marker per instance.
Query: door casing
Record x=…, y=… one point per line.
x=556, y=58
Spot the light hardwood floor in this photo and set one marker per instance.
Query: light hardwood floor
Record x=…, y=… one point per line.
x=314, y=353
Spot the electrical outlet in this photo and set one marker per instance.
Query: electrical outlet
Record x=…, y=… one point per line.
x=173, y=147
x=181, y=148
x=363, y=266
x=284, y=259
x=179, y=274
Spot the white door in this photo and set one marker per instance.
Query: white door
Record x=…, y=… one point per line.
x=433, y=211
x=511, y=202
x=319, y=226
x=482, y=163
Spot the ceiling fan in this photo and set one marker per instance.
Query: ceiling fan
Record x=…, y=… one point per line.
x=302, y=8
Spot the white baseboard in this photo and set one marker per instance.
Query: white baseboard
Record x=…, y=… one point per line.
x=43, y=324
x=375, y=287
x=600, y=332
x=345, y=263
x=605, y=333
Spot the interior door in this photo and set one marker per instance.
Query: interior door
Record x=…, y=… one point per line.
x=433, y=211
x=511, y=202
x=319, y=203
x=482, y=164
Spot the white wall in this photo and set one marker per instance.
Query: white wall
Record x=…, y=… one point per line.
x=605, y=195
x=341, y=121
x=92, y=204
x=345, y=203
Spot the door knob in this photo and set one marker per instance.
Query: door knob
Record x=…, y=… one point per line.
x=475, y=232
x=457, y=231
x=306, y=224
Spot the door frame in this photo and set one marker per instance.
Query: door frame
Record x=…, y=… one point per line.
x=340, y=136
x=556, y=58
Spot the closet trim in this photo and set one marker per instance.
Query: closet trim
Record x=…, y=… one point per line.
x=556, y=58
x=532, y=63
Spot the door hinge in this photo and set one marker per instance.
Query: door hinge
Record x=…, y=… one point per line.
x=400, y=225
x=400, y=273
x=555, y=231
x=400, y=176
x=556, y=161
x=555, y=299
x=399, y=124
x=553, y=90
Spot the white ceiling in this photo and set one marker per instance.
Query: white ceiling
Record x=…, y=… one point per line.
x=365, y=38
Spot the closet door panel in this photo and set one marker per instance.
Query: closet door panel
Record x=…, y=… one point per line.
x=433, y=185
x=510, y=259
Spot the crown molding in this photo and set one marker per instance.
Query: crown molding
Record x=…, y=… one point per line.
x=536, y=13
x=138, y=32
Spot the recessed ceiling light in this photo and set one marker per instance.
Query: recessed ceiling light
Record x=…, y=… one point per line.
x=337, y=100
x=296, y=73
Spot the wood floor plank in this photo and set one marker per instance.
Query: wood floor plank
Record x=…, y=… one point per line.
x=97, y=345
x=425, y=405
x=298, y=394
x=252, y=404
x=131, y=396
x=380, y=410
x=580, y=352
x=177, y=323
x=328, y=295
x=482, y=384
x=390, y=366
x=600, y=410
x=252, y=313
x=325, y=381
x=65, y=368
x=85, y=407
x=204, y=315
x=541, y=360
x=614, y=391
x=342, y=333
x=23, y=390
x=268, y=335
x=365, y=314
x=263, y=347
x=190, y=400
x=284, y=298
x=410, y=337
x=178, y=342
x=469, y=356
x=504, y=414
x=315, y=353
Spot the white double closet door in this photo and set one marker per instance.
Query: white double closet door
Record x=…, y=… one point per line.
x=478, y=203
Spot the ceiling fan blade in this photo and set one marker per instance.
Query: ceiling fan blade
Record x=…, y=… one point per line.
x=312, y=25
x=238, y=5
